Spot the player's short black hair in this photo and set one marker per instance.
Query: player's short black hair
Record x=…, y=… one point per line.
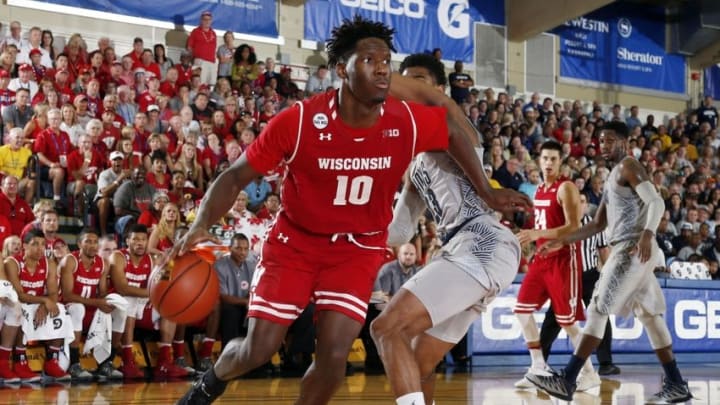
x=135, y=228
x=344, y=38
x=551, y=145
x=434, y=66
x=618, y=127
x=86, y=231
x=158, y=155
x=33, y=233
x=239, y=237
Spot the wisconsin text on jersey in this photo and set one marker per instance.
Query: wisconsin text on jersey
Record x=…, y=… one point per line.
x=373, y=163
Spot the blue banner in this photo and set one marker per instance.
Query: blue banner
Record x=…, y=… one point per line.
x=621, y=44
x=255, y=17
x=712, y=82
x=693, y=315
x=421, y=25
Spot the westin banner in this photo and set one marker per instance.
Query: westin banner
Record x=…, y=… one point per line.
x=621, y=44
x=420, y=25
x=254, y=17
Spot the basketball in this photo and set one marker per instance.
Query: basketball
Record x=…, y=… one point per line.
x=187, y=292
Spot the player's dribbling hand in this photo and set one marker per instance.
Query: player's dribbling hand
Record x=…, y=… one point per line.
x=194, y=236
x=550, y=247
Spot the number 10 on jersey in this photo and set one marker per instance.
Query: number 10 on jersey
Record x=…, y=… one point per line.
x=359, y=193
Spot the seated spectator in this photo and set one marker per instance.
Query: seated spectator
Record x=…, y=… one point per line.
x=14, y=157
x=108, y=183
x=212, y=155
x=18, y=114
x=508, y=174
x=158, y=177
x=151, y=216
x=84, y=165
x=25, y=80
x=13, y=207
x=131, y=198
x=182, y=196
x=694, y=246
x=162, y=236
x=270, y=209
x=235, y=272
x=188, y=163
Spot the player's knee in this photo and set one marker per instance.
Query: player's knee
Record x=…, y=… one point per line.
x=596, y=322
x=657, y=330
x=381, y=328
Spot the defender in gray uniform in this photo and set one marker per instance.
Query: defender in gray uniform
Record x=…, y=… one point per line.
x=631, y=210
x=478, y=260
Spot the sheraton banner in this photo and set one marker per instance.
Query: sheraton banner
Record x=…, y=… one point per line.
x=621, y=44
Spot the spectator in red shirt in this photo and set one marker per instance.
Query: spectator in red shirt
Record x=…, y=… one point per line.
x=212, y=154
x=151, y=215
x=136, y=53
x=147, y=62
x=158, y=176
x=52, y=147
x=169, y=86
x=14, y=208
x=141, y=135
x=149, y=96
x=202, y=43
x=84, y=165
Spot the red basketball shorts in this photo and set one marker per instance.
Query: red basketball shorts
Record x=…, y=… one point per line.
x=297, y=267
x=557, y=277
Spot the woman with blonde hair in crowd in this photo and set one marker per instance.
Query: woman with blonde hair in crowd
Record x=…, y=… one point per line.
x=188, y=163
x=7, y=63
x=163, y=234
x=11, y=246
x=37, y=124
x=131, y=160
x=70, y=123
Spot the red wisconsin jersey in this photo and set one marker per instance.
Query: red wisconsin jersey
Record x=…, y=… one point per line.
x=548, y=211
x=33, y=283
x=87, y=280
x=137, y=276
x=341, y=179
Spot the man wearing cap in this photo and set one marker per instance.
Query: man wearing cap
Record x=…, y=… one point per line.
x=7, y=96
x=25, y=80
x=93, y=97
x=82, y=112
x=136, y=53
x=202, y=43
x=108, y=182
x=35, y=61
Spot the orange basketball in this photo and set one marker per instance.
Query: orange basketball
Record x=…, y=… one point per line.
x=188, y=291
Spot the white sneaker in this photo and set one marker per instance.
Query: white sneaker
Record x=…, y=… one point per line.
x=524, y=383
x=588, y=381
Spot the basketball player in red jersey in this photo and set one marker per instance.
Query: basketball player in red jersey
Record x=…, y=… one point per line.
x=35, y=280
x=84, y=282
x=345, y=153
x=10, y=313
x=129, y=273
x=556, y=276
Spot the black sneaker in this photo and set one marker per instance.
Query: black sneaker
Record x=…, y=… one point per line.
x=554, y=384
x=201, y=393
x=608, y=369
x=672, y=393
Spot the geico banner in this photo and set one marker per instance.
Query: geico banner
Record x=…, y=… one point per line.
x=621, y=44
x=693, y=316
x=420, y=25
x=255, y=17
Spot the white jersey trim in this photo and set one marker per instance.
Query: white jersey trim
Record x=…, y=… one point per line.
x=412, y=119
x=300, y=125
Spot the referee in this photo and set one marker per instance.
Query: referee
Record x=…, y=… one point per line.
x=592, y=248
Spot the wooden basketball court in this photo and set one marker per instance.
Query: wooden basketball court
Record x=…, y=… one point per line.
x=486, y=386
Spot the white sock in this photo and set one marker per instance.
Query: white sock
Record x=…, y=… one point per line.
x=538, y=361
x=413, y=398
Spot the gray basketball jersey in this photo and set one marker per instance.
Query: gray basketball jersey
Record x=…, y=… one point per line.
x=626, y=212
x=448, y=194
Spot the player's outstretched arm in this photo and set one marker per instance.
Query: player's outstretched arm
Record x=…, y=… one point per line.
x=216, y=202
x=598, y=224
x=636, y=176
x=463, y=139
x=406, y=214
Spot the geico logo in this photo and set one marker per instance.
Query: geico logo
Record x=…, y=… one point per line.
x=697, y=319
x=408, y=8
